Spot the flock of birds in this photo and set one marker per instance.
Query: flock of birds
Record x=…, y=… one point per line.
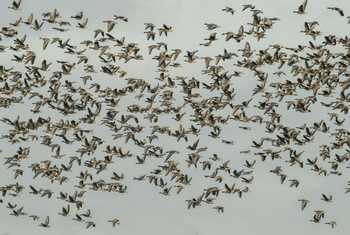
x=306, y=76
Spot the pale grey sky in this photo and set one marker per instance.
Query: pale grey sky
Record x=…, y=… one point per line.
x=269, y=207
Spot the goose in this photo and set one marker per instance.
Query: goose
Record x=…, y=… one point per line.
x=247, y=6
x=114, y=221
x=90, y=224
x=17, y=22
x=294, y=183
x=230, y=142
x=176, y=53
x=18, y=212
x=283, y=177
x=165, y=29
x=247, y=180
x=326, y=198
x=83, y=24
x=110, y=25
x=250, y=164
x=193, y=147
x=30, y=19
x=315, y=219
x=150, y=35
x=337, y=9
x=46, y=42
x=149, y=26
x=301, y=8
x=37, y=26
x=191, y=56
x=34, y=217
x=229, y=10
x=78, y=218
x=304, y=203
x=122, y=18
x=34, y=190
x=15, y=5
x=219, y=209
x=65, y=211
x=211, y=26
x=45, y=224
x=87, y=214
x=11, y=206
x=78, y=16
x=332, y=223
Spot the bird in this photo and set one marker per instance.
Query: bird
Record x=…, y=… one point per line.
x=326, y=198
x=90, y=224
x=331, y=223
x=46, y=42
x=114, y=221
x=337, y=9
x=15, y=4
x=65, y=211
x=304, y=203
x=78, y=16
x=84, y=23
x=294, y=183
x=34, y=217
x=301, y=8
x=165, y=29
x=248, y=6
x=86, y=214
x=211, y=26
x=45, y=224
x=229, y=10
x=220, y=209
x=110, y=25
x=149, y=26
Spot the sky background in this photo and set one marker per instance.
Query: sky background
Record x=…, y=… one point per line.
x=269, y=207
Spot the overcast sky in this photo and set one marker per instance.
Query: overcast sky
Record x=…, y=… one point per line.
x=269, y=207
